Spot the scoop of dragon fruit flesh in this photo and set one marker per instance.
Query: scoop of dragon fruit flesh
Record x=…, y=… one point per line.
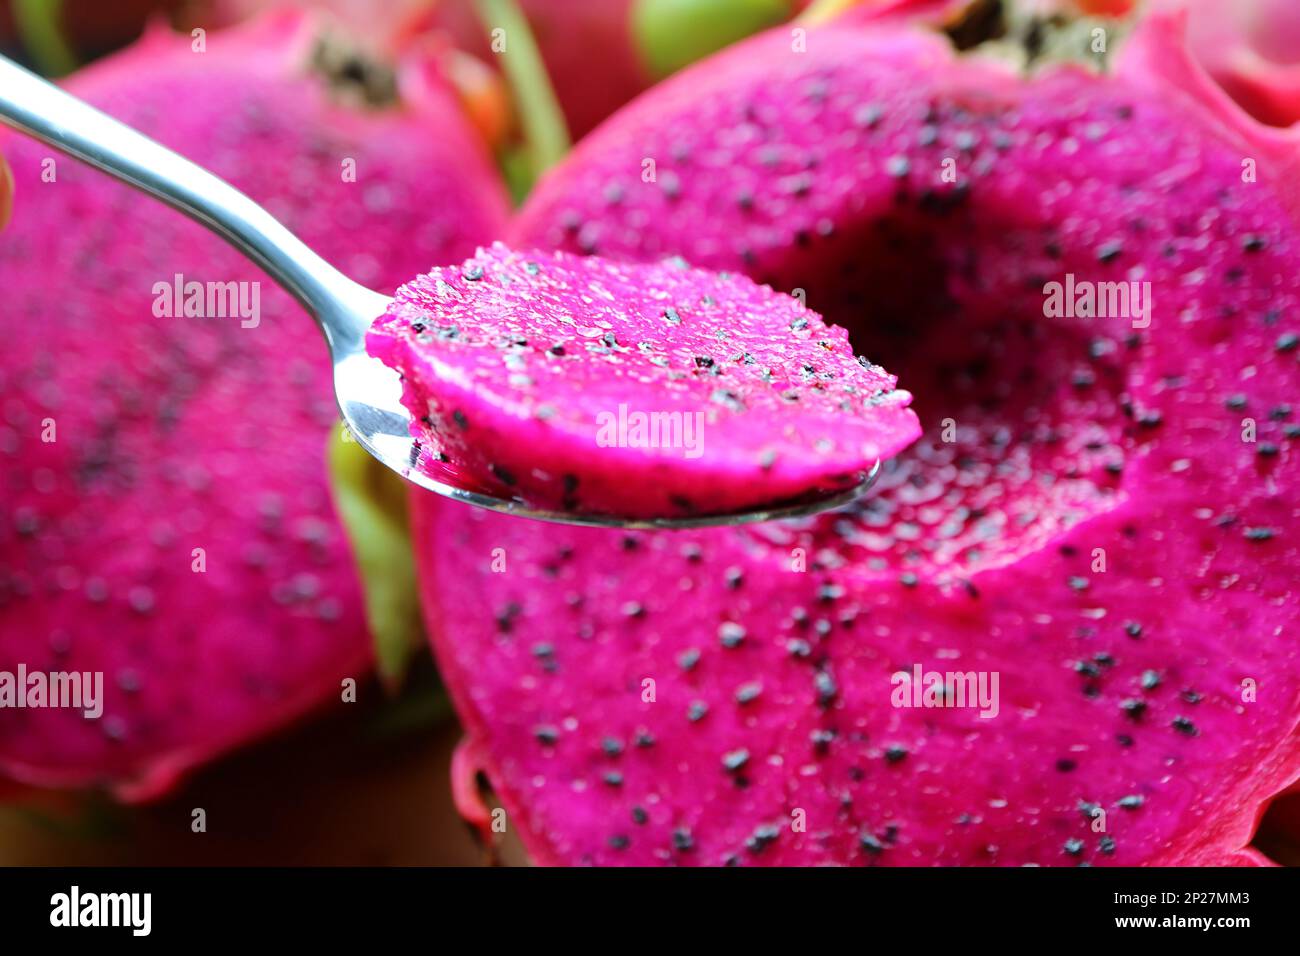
x=1094, y=539
x=636, y=390
x=165, y=514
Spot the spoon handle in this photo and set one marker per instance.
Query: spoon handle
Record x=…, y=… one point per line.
x=42, y=110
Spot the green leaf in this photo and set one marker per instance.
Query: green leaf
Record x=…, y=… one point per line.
x=371, y=501
x=669, y=34
x=40, y=25
x=546, y=135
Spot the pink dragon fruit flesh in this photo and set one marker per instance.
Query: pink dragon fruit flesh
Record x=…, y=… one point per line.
x=640, y=390
x=1063, y=630
x=166, y=520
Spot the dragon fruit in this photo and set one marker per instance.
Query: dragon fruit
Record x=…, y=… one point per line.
x=1250, y=48
x=1061, y=633
x=167, y=518
x=640, y=390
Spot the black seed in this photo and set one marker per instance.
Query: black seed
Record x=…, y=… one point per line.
x=619, y=841
x=1132, y=801
x=731, y=634
x=614, y=778
x=897, y=166
x=908, y=579
x=688, y=658
x=1150, y=419
x=612, y=746
x=459, y=418
x=633, y=609
x=546, y=734
x=761, y=837
x=798, y=647
x=1077, y=583
x=682, y=839
x=1072, y=846
x=826, y=689
x=735, y=760
x=1109, y=251
x=1254, y=243
x=639, y=816
x=1065, y=765
x=734, y=578
x=1259, y=534
x=748, y=693
x=697, y=711
x=473, y=273
x=1184, y=726
x=1235, y=402
x=1150, y=680
x=871, y=844
x=1133, y=629
x=1191, y=696
x=895, y=752
x=828, y=592
x=1133, y=707
x=504, y=476
x=1287, y=342
x=868, y=116
x=821, y=739
x=645, y=739
x=1106, y=845
x=1267, y=450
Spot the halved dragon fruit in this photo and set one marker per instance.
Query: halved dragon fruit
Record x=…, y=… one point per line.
x=645, y=391
x=1062, y=632
x=166, y=519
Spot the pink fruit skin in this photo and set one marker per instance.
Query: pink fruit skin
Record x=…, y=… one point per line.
x=1096, y=532
x=175, y=434
x=1252, y=49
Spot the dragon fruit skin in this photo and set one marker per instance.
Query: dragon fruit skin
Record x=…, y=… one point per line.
x=1249, y=47
x=182, y=433
x=517, y=368
x=1098, y=534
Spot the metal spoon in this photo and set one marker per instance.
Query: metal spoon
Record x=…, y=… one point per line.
x=368, y=392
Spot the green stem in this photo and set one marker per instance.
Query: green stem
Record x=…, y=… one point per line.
x=546, y=136
x=39, y=27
